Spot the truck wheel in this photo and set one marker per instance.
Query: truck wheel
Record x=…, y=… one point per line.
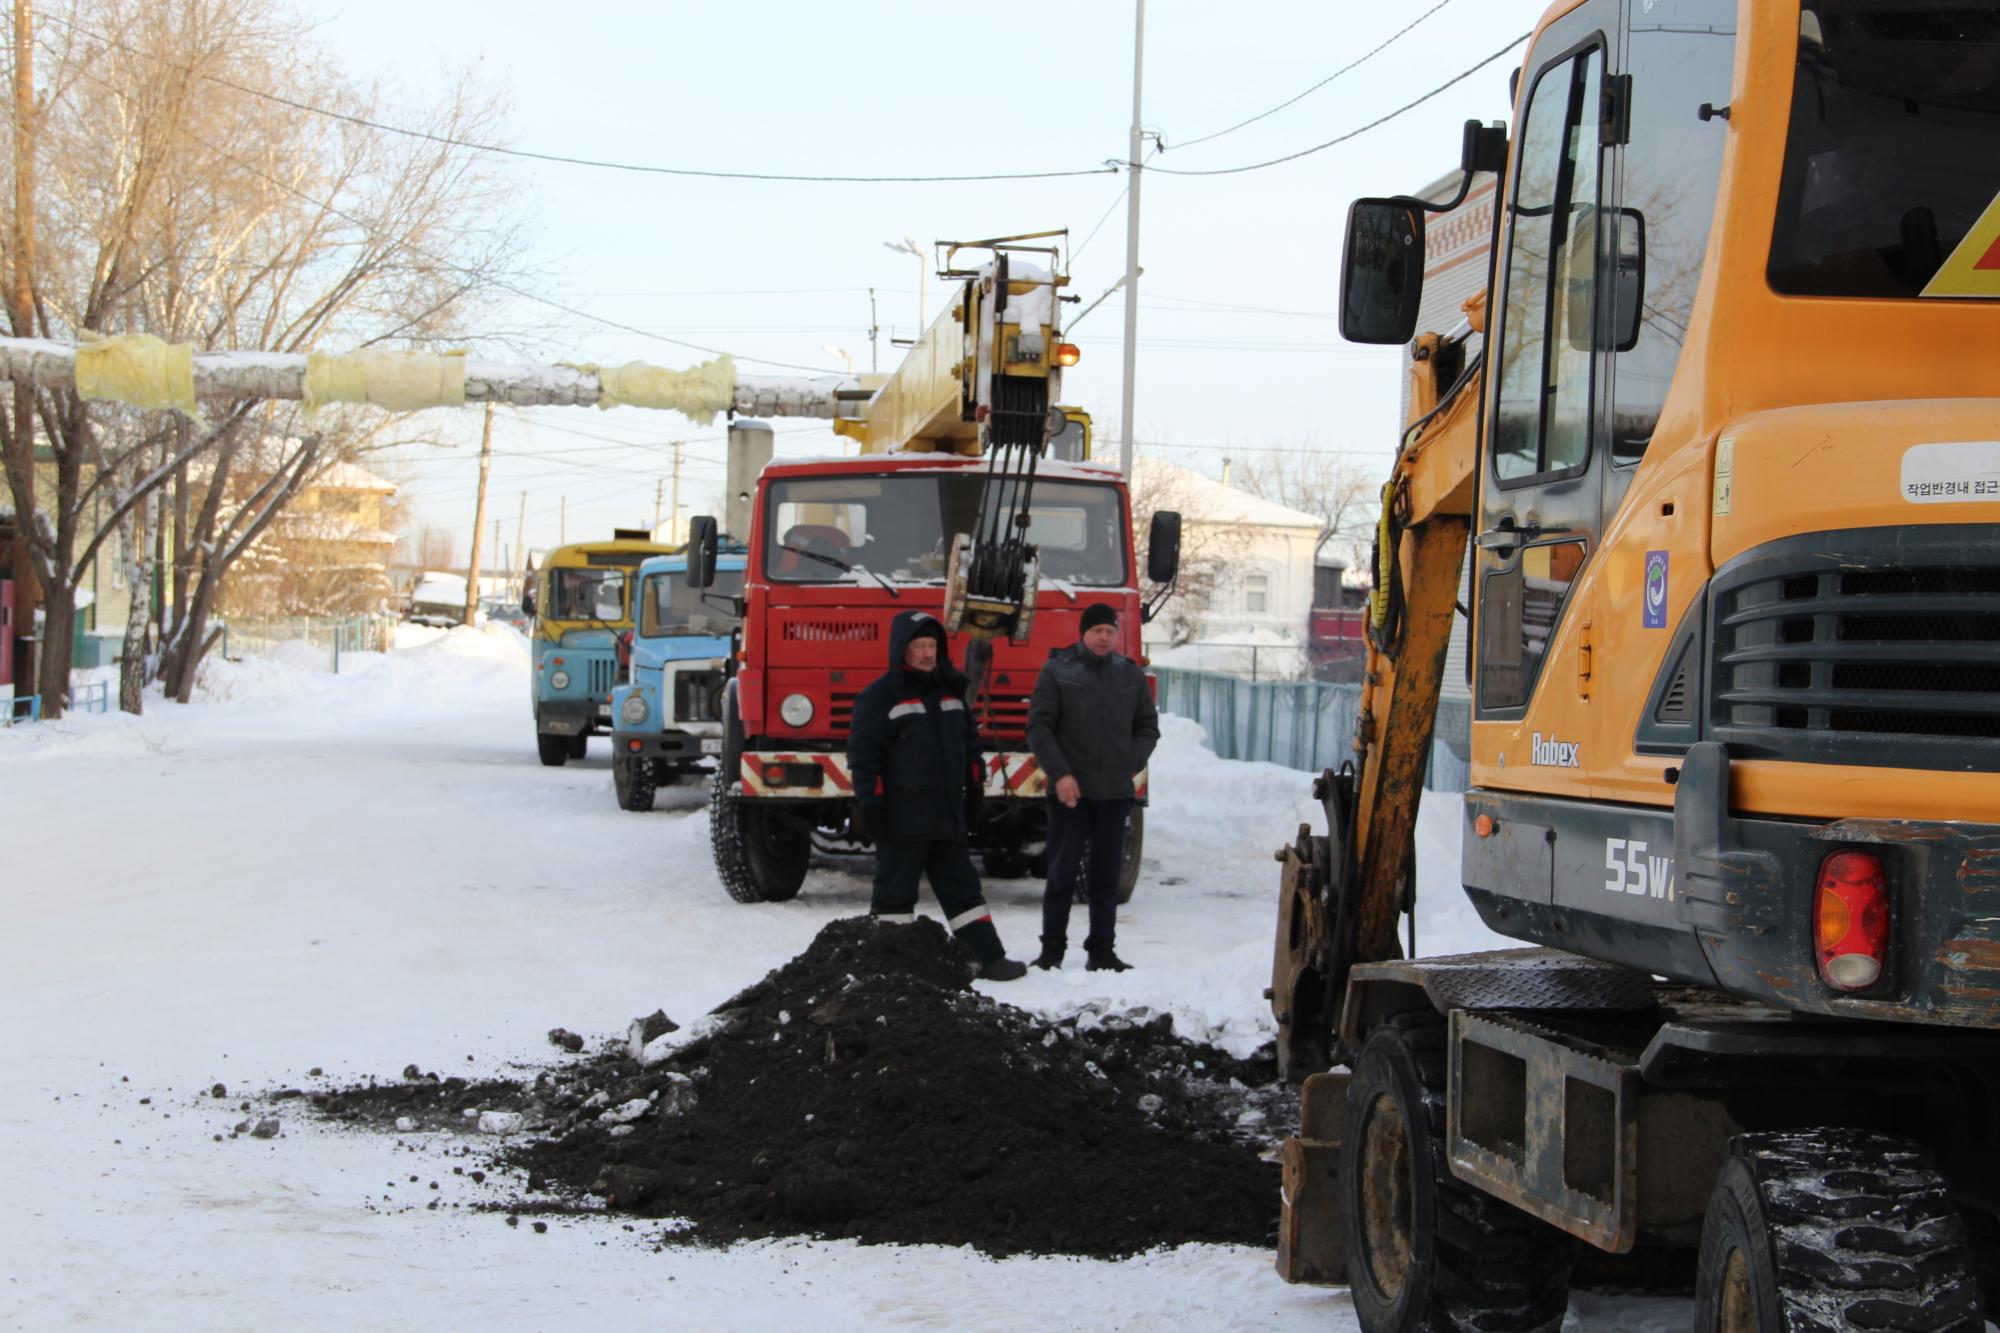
x=760, y=857
x=579, y=745
x=1832, y=1228
x=554, y=750
x=1424, y=1250
x=632, y=779
x=1128, y=872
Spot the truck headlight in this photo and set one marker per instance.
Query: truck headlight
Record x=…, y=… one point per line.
x=559, y=679
x=634, y=709
x=796, y=710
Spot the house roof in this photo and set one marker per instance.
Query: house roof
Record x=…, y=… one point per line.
x=1204, y=500
x=351, y=477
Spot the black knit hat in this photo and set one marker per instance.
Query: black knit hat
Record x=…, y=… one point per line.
x=1098, y=614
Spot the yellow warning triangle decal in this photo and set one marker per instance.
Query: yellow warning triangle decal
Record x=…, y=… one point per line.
x=1974, y=267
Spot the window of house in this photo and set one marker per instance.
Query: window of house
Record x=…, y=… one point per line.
x=1257, y=594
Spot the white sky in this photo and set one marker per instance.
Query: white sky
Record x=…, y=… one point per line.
x=1238, y=348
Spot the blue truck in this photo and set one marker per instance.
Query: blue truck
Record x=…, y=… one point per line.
x=667, y=717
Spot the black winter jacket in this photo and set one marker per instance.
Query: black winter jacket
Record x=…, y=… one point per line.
x=1092, y=718
x=912, y=744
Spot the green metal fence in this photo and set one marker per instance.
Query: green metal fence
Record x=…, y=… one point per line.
x=1305, y=724
x=326, y=639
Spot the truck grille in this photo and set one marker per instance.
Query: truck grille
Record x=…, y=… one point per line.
x=603, y=674
x=1837, y=658
x=830, y=630
x=698, y=696
x=1006, y=716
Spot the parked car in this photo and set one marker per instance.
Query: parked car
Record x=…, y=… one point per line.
x=506, y=611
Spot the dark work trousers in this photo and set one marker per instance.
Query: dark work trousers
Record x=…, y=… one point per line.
x=1101, y=825
x=901, y=866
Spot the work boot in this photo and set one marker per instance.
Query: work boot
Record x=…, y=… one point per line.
x=1103, y=960
x=1002, y=968
x=1051, y=956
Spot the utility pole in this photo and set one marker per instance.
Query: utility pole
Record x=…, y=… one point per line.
x=521, y=544
x=479, y=518
x=659, y=486
x=874, y=333
x=675, y=522
x=21, y=309
x=562, y=523
x=1138, y=146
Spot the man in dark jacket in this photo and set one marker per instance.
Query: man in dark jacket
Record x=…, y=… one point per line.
x=913, y=751
x=1092, y=726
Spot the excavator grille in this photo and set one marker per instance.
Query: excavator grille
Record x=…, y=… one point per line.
x=1895, y=666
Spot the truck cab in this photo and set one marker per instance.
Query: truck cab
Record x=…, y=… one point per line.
x=839, y=547
x=667, y=717
x=581, y=603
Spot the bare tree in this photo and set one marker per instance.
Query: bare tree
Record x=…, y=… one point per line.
x=1344, y=495
x=1208, y=548
x=185, y=191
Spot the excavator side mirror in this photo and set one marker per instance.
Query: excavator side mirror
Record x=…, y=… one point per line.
x=701, y=548
x=1163, y=547
x=1625, y=281
x=528, y=600
x=1382, y=271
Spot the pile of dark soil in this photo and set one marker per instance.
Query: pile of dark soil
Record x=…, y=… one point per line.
x=864, y=1090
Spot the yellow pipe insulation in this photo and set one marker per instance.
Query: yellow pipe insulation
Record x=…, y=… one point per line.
x=138, y=370
x=697, y=393
x=398, y=381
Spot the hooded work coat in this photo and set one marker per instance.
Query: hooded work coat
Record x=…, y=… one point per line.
x=913, y=743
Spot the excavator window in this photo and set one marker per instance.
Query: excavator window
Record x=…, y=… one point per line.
x=1680, y=54
x=1894, y=147
x=1544, y=423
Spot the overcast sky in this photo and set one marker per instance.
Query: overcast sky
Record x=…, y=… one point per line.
x=1238, y=348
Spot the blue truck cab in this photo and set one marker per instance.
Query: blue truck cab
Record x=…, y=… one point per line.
x=668, y=716
x=582, y=601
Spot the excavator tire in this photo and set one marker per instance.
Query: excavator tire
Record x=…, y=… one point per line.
x=1425, y=1251
x=1833, y=1229
x=759, y=857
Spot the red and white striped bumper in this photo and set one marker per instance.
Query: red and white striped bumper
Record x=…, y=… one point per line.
x=784, y=774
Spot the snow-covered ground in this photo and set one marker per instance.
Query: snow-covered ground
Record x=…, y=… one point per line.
x=358, y=872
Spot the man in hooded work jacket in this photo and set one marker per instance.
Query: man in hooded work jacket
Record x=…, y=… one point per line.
x=913, y=751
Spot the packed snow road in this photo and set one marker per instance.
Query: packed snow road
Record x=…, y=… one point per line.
x=305, y=879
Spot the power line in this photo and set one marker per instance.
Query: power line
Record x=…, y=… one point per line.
x=1354, y=133
x=508, y=287
x=452, y=141
x=1352, y=64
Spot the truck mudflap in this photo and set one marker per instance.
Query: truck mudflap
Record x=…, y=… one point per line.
x=818, y=775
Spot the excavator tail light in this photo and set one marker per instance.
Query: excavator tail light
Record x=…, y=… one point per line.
x=1068, y=354
x=1851, y=920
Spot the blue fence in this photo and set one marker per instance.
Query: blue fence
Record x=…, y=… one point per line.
x=1304, y=724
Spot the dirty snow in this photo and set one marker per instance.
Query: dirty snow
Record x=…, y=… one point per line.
x=302, y=871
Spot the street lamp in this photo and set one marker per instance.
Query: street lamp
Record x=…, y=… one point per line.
x=846, y=357
x=910, y=247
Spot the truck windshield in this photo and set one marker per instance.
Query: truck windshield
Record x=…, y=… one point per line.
x=900, y=527
x=668, y=606
x=1893, y=153
x=586, y=594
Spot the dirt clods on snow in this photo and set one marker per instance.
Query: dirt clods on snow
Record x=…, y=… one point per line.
x=865, y=1090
